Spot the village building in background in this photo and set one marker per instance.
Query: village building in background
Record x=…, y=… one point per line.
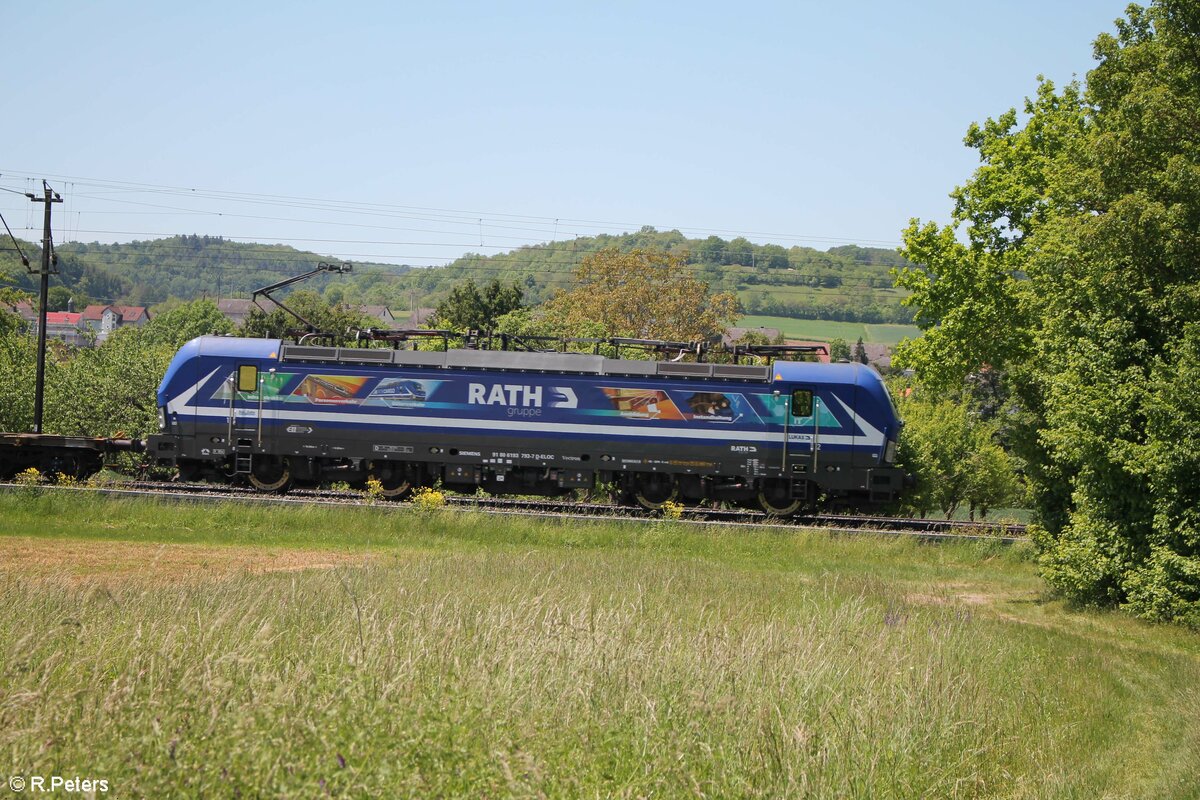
x=103, y=320
x=93, y=325
x=65, y=326
x=235, y=310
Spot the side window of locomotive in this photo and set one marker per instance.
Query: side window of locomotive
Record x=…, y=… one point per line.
x=802, y=403
x=247, y=378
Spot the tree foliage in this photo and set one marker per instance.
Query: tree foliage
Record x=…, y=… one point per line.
x=77, y=278
x=860, y=351
x=953, y=454
x=839, y=350
x=338, y=321
x=106, y=390
x=17, y=366
x=768, y=278
x=470, y=307
x=9, y=298
x=643, y=295
x=184, y=322
x=1078, y=280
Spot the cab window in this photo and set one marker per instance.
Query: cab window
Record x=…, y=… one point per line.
x=802, y=403
x=247, y=378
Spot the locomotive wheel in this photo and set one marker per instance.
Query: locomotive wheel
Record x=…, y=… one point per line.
x=775, y=499
x=392, y=477
x=654, y=491
x=270, y=474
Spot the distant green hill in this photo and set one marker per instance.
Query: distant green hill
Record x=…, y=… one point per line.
x=80, y=277
x=847, y=283
x=182, y=267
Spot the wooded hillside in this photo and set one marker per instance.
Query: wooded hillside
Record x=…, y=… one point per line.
x=843, y=283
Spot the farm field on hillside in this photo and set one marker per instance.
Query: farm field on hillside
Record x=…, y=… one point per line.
x=237, y=650
x=825, y=330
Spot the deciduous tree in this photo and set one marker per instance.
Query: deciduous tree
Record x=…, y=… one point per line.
x=839, y=350
x=338, y=321
x=470, y=307
x=954, y=456
x=1077, y=280
x=643, y=295
x=185, y=322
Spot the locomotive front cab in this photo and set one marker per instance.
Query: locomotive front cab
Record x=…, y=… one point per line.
x=211, y=407
x=837, y=432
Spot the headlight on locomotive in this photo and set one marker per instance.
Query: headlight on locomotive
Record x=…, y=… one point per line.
x=162, y=419
x=889, y=452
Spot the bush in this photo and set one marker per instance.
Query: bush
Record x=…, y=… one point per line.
x=1166, y=588
x=954, y=456
x=1079, y=564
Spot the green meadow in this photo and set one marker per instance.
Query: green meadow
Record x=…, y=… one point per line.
x=227, y=650
x=824, y=330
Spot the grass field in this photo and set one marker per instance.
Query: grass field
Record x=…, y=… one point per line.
x=233, y=651
x=824, y=330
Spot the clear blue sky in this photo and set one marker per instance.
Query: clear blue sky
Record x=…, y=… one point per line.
x=461, y=123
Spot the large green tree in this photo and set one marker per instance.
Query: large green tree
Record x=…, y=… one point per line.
x=470, y=307
x=105, y=390
x=184, y=322
x=640, y=294
x=1072, y=269
x=338, y=322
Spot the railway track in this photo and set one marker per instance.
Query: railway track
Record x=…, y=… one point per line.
x=925, y=529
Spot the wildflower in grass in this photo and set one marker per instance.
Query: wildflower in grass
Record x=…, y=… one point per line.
x=30, y=477
x=672, y=510
x=374, y=489
x=429, y=498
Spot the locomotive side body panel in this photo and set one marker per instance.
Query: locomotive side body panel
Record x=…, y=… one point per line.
x=479, y=425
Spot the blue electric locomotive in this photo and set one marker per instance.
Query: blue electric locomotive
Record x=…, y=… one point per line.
x=515, y=422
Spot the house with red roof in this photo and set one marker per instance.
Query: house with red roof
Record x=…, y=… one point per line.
x=67, y=326
x=106, y=319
